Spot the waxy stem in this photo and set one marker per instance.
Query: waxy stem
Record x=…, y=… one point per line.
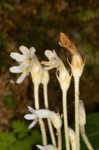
x=59, y=139
x=65, y=114
x=49, y=122
x=76, y=84
x=41, y=122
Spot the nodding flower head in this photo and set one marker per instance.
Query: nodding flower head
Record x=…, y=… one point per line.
x=46, y=147
x=56, y=119
x=82, y=113
x=24, y=60
x=61, y=72
x=54, y=60
x=43, y=113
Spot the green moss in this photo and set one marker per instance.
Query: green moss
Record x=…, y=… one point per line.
x=10, y=100
x=20, y=138
x=84, y=15
x=3, y=41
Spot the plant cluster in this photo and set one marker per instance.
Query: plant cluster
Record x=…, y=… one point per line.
x=28, y=63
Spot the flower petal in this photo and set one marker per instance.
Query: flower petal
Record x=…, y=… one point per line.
x=24, y=50
x=33, y=124
x=31, y=109
x=49, y=54
x=22, y=77
x=46, y=147
x=15, y=69
x=24, y=66
x=29, y=116
x=18, y=57
x=40, y=147
x=32, y=51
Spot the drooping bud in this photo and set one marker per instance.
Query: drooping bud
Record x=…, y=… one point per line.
x=44, y=113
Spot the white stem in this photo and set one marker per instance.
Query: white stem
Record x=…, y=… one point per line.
x=49, y=122
x=64, y=92
x=85, y=138
x=76, y=80
x=59, y=139
x=41, y=122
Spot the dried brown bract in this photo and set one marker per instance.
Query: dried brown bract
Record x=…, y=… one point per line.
x=65, y=42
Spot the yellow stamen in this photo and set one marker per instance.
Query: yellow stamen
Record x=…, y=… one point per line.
x=25, y=70
x=27, y=60
x=35, y=118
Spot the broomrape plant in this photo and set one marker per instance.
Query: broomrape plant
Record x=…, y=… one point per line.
x=64, y=78
x=29, y=63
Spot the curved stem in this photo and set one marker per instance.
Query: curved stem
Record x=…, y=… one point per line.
x=85, y=138
x=64, y=92
x=41, y=122
x=59, y=139
x=76, y=80
x=49, y=122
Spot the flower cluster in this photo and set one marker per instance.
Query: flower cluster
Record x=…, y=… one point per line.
x=29, y=63
x=41, y=114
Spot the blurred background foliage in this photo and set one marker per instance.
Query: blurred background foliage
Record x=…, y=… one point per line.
x=38, y=23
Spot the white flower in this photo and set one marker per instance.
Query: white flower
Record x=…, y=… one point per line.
x=54, y=60
x=24, y=60
x=61, y=71
x=43, y=113
x=46, y=147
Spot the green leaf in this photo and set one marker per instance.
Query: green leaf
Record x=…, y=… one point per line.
x=7, y=139
x=27, y=142
x=86, y=15
x=20, y=128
